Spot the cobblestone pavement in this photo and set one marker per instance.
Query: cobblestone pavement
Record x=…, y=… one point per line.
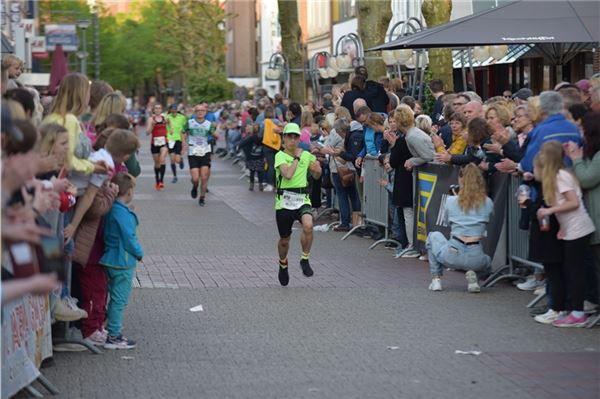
x=365, y=326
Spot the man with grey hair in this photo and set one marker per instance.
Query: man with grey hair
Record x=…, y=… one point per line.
x=554, y=126
x=357, y=104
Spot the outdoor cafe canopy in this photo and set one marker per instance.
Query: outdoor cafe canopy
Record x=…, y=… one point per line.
x=547, y=24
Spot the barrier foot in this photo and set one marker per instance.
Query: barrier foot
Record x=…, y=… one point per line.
x=325, y=212
x=593, y=321
x=536, y=300
x=384, y=240
x=48, y=385
x=76, y=341
x=348, y=234
x=333, y=224
x=33, y=392
x=499, y=275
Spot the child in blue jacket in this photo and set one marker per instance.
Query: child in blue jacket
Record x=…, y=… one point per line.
x=122, y=251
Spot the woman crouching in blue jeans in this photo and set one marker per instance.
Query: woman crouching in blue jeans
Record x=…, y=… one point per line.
x=467, y=214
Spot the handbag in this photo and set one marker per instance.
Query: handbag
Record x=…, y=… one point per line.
x=345, y=174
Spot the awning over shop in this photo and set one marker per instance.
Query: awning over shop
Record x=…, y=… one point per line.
x=519, y=22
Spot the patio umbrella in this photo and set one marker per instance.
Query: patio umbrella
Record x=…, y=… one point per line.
x=58, y=69
x=553, y=26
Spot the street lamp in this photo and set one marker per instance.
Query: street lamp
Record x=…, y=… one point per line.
x=279, y=69
x=343, y=59
x=83, y=24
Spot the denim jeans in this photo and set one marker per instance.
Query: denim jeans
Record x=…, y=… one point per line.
x=347, y=196
x=398, y=226
x=454, y=254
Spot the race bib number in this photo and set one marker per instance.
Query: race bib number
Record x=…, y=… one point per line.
x=291, y=200
x=171, y=144
x=159, y=141
x=200, y=146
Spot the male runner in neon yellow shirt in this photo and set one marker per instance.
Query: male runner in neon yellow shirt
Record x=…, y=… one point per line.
x=174, y=130
x=292, y=200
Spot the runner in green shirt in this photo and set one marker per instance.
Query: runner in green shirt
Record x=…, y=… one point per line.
x=292, y=201
x=174, y=130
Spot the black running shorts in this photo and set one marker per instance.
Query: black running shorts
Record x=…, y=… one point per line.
x=286, y=217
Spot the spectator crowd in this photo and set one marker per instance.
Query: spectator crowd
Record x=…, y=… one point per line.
x=69, y=170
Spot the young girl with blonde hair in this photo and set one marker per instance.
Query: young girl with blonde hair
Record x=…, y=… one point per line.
x=563, y=196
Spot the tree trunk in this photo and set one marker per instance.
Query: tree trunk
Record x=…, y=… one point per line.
x=291, y=45
x=373, y=19
x=437, y=12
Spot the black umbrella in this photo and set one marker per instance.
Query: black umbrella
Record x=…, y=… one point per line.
x=523, y=21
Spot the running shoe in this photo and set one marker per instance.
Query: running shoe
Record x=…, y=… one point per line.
x=410, y=253
x=284, y=277
x=547, y=318
x=118, y=342
x=436, y=284
x=97, y=338
x=570, y=321
x=162, y=185
x=201, y=201
x=472, y=283
x=194, y=192
x=306, y=269
x=174, y=179
x=157, y=187
x=531, y=284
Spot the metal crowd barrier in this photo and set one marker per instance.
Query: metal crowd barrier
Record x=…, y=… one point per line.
x=375, y=200
x=518, y=242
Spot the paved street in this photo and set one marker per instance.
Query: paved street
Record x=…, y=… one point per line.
x=365, y=326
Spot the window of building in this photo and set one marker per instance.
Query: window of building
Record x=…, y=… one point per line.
x=344, y=9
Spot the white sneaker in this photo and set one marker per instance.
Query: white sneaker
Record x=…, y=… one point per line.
x=531, y=285
x=436, y=284
x=472, y=283
x=410, y=253
x=548, y=317
x=66, y=310
x=423, y=258
x=589, y=307
x=97, y=338
x=540, y=291
x=268, y=188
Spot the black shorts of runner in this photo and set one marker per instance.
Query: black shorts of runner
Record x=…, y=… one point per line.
x=176, y=148
x=286, y=217
x=196, y=162
x=155, y=149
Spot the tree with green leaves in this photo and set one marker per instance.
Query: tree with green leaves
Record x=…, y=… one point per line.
x=437, y=12
x=374, y=16
x=291, y=45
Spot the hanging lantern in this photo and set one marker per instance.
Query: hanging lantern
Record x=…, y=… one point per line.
x=410, y=63
x=332, y=73
x=272, y=74
x=388, y=57
x=333, y=64
x=344, y=61
x=481, y=53
x=403, y=55
x=498, y=52
x=425, y=58
x=323, y=73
